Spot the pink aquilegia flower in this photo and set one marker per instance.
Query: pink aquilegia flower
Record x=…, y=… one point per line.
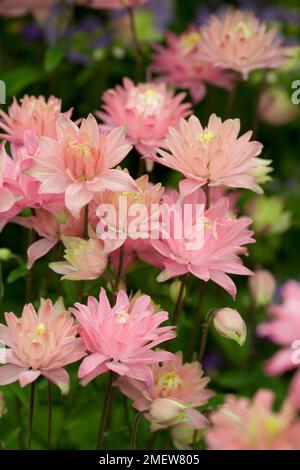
x=214, y=154
x=121, y=338
x=111, y=4
x=79, y=162
x=243, y=424
x=180, y=64
x=239, y=41
x=84, y=259
x=209, y=248
x=35, y=114
x=40, y=344
x=147, y=110
x=284, y=329
x=51, y=226
x=19, y=190
x=175, y=392
x=123, y=226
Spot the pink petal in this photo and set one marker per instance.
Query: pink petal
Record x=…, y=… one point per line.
x=28, y=377
x=9, y=373
x=117, y=180
x=39, y=249
x=59, y=377
x=90, y=363
x=76, y=197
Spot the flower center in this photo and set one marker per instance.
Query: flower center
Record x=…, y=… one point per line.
x=189, y=42
x=206, y=137
x=62, y=217
x=41, y=329
x=123, y=316
x=169, y=381
x=145, y=101
x=244, y=28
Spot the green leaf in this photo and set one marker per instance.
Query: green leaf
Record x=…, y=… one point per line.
x=53, y=58
x=16, y=274
x=18, y=79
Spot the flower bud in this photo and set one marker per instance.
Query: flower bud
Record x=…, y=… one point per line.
x=175, y=289
x=183, y=436
x=262, y=286
x=5, y=254
x=165, y=412
x=229, y=323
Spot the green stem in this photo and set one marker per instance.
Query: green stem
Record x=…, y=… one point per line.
x=29, y=280
x=135, y=427
x=30, y=417
x=120, y=269
x=197, y=316
x=136, y=44
x=105, y=411
x=179, y=302
x=203, y=342
x=49, y=415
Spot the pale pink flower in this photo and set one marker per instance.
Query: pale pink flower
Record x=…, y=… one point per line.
x=181, y=64
x=111, y=4
x=79, y=162
x=211, y=246
x=19, y=190
x=275, y=106
x=147, y=110
x=182, y=383
x=84, y=259
x=32, y=113
x=284, y=329
x=243, y=424
x=121, y=338
x=51, y=226
x=239, y=41
x=129, y=232
x=213, y=154
x=40, y=344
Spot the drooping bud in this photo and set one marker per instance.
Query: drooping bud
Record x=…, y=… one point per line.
x=184, y=436
x=229, y=323
x=262, y=286
x=5, y=254
x=165, y=412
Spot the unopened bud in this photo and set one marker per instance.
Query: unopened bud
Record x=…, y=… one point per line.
x=229, y=323
x=5, y=254
x=165, y=412
x=262, y=286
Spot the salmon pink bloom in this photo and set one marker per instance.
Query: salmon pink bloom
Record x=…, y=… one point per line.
x=85, y=259
x=79, y=162
x=33, y=114
x=239, y=41
x=211, y=246
x=213, y=154
x=284, y=329
x=180, y=64
x=51, y=226
x=123, y=226
x=121, y=338
x=19, y=190
x=40, y=344
x=175, y=392
x=111, y=4
x=147, y=110
x=243, y=424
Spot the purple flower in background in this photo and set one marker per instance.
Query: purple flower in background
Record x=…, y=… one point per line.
x=32, y=32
